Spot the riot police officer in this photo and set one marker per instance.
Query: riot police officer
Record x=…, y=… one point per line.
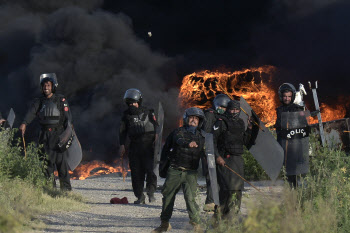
x=140, y=125
x=286, y=93
x=54, y=116
x=211, y=116
x=230, y=136
x=186, y=149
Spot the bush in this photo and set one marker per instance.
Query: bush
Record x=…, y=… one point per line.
x=14, y=164
x=24, y=189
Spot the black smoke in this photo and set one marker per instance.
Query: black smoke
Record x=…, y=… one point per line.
x=99, y=49
x=96, y=57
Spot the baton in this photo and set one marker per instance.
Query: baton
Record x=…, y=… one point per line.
x=346, y=131
x=221, y=87
x=24, y=147
x=123, y=172
x=242, y=178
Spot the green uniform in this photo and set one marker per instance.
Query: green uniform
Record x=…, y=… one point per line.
x=174, y=181
x=184, y=162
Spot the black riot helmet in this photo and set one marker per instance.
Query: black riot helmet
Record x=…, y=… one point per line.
x=51, y=77
x=133, y=95
x=194, y=112
x=233, y=104
x=284, y=88
x=221, y=100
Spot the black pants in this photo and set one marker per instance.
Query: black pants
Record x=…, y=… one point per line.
x=55, y=158
x=294, y=180
x=141, y=158
x=230, y=201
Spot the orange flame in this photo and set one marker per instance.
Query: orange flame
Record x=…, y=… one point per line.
x=199, y=89
x=85, y=170
x=329, y=113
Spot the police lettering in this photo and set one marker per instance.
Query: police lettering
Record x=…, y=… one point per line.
x=297, y=132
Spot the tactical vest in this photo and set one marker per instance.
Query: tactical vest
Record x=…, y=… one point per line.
x=233, y=138
x=139, y=124
x=49, y=111
x=184, y=156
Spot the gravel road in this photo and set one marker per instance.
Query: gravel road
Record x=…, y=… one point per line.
x=106, y=217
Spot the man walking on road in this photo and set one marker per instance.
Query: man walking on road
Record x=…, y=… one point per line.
x=186, y=150
x=54, y=116
x=230, y=136
x=140, y=125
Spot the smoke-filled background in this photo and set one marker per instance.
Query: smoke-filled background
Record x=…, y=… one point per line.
x=99, y=49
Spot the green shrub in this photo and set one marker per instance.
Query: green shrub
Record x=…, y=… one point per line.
x=13, y=163
x=24, y=189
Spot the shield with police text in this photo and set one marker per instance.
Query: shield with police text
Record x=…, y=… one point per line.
x=295, y=141
x=263, y=145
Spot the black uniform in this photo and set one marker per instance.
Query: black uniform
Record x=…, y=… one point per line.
x=286, y=108
x=230, y=136
x=211, y=116
x=54, y=115
x=140, y=125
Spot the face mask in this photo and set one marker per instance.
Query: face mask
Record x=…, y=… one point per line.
x=134, y=110
x=233, y=115
x=220, y=110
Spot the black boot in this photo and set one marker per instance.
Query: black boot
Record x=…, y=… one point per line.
x=141, y=200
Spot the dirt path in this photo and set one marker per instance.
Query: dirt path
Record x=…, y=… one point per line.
x=105, y=217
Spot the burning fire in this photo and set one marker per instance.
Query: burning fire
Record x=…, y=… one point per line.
x=96, y=167
x=199, y=89
x=329, y=113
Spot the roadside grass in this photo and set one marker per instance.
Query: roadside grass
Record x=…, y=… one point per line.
x=25, y=192
x=320, y=204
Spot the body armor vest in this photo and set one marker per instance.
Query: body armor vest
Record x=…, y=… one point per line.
x=49, y=113
x=233, y=138
x=139, y=125
x=184, y=156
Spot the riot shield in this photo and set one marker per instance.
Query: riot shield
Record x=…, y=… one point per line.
x=10, y=119
x=295, y=141
x=266, y=150
x=68, y=141
x=209, y=151
x=158, y=143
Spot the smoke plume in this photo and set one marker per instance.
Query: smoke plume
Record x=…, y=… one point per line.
x=96, y=57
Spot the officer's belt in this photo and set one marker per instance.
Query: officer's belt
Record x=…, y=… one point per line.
x=180, y=169
x=297, y=133
x=51, y=118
